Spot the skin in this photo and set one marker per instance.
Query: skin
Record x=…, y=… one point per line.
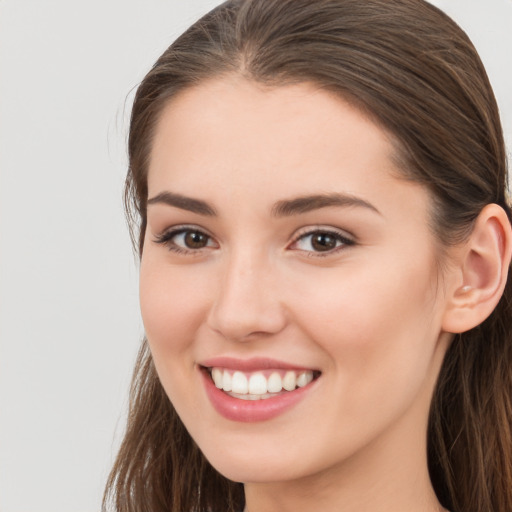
x=368, y=315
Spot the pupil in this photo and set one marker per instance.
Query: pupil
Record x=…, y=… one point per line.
x=195, y=240
x=323, y=242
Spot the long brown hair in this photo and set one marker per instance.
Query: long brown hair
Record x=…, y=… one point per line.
x=415, y=72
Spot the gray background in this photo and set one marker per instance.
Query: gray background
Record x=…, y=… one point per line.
x=69, y=320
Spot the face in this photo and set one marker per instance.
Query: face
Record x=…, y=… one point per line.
x=289, y=286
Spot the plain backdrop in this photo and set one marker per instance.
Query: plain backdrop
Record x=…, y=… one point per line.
x=69, y=320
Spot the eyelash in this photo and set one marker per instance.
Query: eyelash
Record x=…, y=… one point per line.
x=339, y=237
x=166, y=239
x=343, y=240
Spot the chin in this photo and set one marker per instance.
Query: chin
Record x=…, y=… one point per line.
x=250, y=470
x=263, y=459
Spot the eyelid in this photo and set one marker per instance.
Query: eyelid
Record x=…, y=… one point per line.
x=346, y=239
x=165, y=238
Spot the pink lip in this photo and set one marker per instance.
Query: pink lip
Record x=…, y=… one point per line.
x=250, y=365
x=247, y=411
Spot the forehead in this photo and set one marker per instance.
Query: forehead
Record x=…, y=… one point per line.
x=230, y=137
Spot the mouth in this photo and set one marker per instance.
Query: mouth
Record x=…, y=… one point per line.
x=256, y=389
x=260, y=384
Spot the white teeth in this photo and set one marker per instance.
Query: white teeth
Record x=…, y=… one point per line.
x=255, y=386
x=239, y=383
x=289, y=381
x=274, y=383
x=227, y=381
x=304, y=379
x=217, y=377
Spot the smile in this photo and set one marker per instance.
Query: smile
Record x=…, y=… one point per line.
x=255, y=390
x=259, y=385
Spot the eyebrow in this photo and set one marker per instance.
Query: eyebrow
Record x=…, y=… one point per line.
x=283, y=208
x=306, y=204
x=184, y=203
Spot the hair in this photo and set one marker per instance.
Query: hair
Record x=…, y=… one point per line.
x=414, y=72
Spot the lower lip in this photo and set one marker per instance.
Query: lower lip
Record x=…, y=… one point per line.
x=236, y=409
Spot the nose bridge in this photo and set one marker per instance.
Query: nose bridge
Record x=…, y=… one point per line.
x=246, y=301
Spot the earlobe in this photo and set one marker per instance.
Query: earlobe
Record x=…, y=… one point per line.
x=484, y=262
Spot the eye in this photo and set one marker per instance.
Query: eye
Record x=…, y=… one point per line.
x=321, y=241
x=185, y=239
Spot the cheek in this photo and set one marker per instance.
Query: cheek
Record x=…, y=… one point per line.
x=378, y=323
x=172, y=311
x=172, y=305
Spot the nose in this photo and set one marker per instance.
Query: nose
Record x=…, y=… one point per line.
x=247, y=301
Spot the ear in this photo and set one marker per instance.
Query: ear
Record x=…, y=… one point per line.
x=481, y=271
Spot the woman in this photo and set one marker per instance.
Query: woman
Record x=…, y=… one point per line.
x=319, y=188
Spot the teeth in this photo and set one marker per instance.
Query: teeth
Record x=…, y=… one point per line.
x=304, y=379
x=289, y=381
x=255, y=386
x=217, y=377
x=274, y=383
x=239, y=383
x=227, y=381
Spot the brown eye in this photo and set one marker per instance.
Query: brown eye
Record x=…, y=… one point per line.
x=182, y=240
x=323, y=242
x=195, y=239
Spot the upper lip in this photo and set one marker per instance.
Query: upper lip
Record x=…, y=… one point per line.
x=250, y=365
